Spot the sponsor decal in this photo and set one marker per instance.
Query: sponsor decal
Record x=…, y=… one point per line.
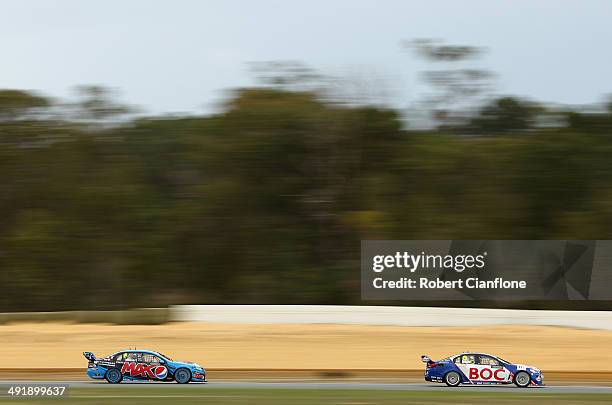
x=161, y=372
x=487, y=374
x=144, y=370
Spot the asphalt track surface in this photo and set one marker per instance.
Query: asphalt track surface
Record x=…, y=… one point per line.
x=557, y=389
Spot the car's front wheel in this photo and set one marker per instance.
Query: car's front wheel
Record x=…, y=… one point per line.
x=452, y=379
x=182, y=376
x=113, y=376
x=522, y=379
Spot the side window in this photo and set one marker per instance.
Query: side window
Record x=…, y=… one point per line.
x=150, y=358
x=133, y=356
x=487, y=361
x=468, y=359
x=119, y=357
x=457, y=360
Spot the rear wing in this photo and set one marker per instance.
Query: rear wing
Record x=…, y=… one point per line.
x=89, y=356
x=425, y=359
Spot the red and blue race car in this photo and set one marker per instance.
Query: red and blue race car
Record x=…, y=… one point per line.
x=480, y=368
x=138, y=365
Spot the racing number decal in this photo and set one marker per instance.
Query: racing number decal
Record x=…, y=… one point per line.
x=144, y=370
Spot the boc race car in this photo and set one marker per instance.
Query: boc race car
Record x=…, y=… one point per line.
x=480, y=368
x=142, y=365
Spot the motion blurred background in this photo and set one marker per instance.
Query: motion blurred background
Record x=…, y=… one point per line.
x=157, y=153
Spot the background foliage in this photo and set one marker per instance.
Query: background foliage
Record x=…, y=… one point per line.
x=267, y=200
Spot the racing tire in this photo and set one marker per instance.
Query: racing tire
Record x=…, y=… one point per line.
x=522, y=379
x=182, y=376
x=113, y=376
x=452, y=379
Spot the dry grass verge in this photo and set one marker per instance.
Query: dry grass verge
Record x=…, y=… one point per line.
x=304, y=347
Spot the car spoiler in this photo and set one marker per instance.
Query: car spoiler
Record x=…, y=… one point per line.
x=89, y=356
x=425, y=359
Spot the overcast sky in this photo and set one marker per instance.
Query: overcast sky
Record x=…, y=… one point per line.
x=179, y=56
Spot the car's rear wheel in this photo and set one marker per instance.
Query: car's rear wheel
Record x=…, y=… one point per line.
x=182, y=376
x=113, y=376
x=522, y=379
x=452, y=379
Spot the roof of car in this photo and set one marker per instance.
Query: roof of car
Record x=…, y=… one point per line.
x=462, y=353
x=138, y=350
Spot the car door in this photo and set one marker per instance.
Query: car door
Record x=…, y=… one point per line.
x=465, y=363
x=156, y=369
x=133, y=366
x=489, y=370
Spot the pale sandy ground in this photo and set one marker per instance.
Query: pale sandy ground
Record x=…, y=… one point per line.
x=54, y=345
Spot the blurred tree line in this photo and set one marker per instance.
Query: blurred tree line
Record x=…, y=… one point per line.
x=267, y=200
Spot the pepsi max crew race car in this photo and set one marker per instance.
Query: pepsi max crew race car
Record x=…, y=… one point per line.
x=480, y=368
x=142, y=365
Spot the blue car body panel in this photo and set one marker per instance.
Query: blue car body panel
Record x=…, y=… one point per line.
x=499, y=371
x=141, y=369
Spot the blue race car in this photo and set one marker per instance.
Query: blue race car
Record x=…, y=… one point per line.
x=480, y=368
x=142, y=365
